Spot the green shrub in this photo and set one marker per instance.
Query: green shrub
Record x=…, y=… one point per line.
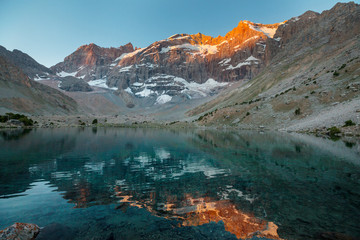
x=22, y=118
x=247, y=114
x=336, y=74
x=333, y=131
x=95, y=121
x=349, y=123
x=342, y=66
x=297, y=111
x=26, y=121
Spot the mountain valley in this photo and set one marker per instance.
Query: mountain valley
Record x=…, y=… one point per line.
x=301, y=74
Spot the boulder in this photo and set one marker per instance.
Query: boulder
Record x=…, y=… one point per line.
x=20, y=231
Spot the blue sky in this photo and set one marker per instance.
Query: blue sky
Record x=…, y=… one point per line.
x=50, y=30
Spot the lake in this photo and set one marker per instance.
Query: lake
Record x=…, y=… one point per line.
x=114, y=183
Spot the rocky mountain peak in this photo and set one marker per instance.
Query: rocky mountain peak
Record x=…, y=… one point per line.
x=90, y=61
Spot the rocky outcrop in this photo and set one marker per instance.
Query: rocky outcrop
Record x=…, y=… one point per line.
x=73, y=84
x=20, y=231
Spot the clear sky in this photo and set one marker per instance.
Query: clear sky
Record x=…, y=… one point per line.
x=49, y=30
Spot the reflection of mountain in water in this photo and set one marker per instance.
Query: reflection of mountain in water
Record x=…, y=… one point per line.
x=247, y=180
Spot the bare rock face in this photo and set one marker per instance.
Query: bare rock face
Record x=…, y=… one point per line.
x=20, y=231
x=313, y=30
x=90, y=62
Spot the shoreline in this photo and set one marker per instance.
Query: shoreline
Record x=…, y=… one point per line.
x=352, y=132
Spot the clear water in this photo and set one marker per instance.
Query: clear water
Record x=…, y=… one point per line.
x=109, y=183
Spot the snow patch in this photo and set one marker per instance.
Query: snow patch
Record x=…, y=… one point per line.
x=125, y=69
x=252, y=58
x=202, y=88
x=162, y=99
x=128, y=55
x=268, y=31
x=225, y=62
x=144, y=93
x=137, y=84
x=121, y=57
x=65, y=74
x=101, y=83
x=201, y=49
x=249, y=39
x=128, y=90
x=231, y=67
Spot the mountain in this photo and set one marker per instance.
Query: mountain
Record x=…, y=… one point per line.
x=311, y=79
x=193, y=66
x=28, y=65
x=90, y=62
x=19, y=93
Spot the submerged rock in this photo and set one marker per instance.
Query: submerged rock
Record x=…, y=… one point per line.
x=20, y=231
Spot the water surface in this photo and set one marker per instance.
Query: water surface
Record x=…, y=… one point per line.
x=110, y=183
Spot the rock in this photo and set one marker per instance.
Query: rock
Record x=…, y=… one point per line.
x=73, y=84
x=236, y=121
x=15, y=122
x=20, y=231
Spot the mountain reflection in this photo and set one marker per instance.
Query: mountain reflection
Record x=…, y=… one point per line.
x=266, y=185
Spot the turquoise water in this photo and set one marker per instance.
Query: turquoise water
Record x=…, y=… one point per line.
x=110, y=183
